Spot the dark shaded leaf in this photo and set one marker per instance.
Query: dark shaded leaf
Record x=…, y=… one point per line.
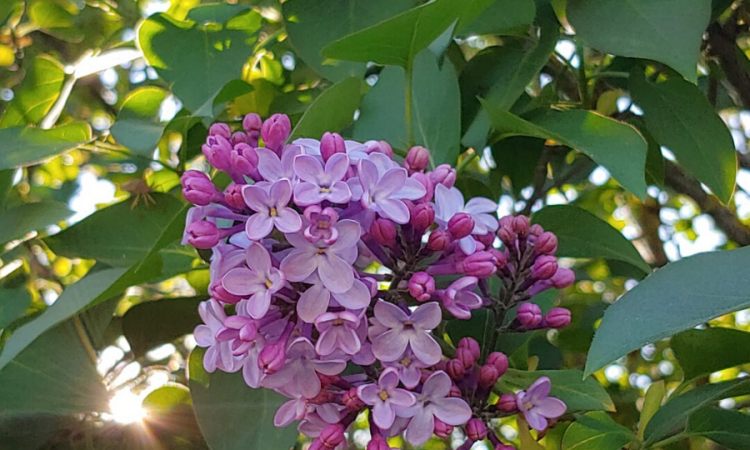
x=730, y=429
x=332, y=111
x=13, y=305
x=701, y=352
x=596, y=431
x=25, y=146
x=22, y=219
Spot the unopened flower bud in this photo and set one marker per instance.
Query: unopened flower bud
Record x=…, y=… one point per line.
x=425, y=181
x=500, y=361
x=455, y=369
x=378, y=442
x=546, y=244
x=529, y=315
x=243, y=159
x=460, y=225
x=501, y=258
x=455, y=392
x=476, y=430
x=479, y=264
x=217, y=291
x=486, y=239
x=417, y=159
x=379, y=147
x=271, y=358
x=220, y=129
x=203, y=234
x=422, y=217
x=507, y=403
x=330, y=144
x=544, y=267
x=240, y=137
x=275, y=130
x=521, y=225
x=252, y=123
x=466, y=357
x=317, y=444
x=536, y=230
x=384, y=232
x=443, y=174
x=352, y=401
x=442, y=429
x=488, y=375
x=563, y=278
x=558, y=318
x=507, y=235
x=197, y=188
x=438, y=240
x=332, y=435
x=218, y=152
x=233, y=196
x=472, y=345
x=421, y=286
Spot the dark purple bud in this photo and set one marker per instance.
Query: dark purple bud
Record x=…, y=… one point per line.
x=544, y=267
x=500, y=361
x=275, y=130
x=203, y=234
x=455, y=369
x=479, y=264
x=217, y=291
x=501, y=258
x=546, y=244
x=417, y=159
x=233, y=196
x=455, y=392
x=425, y=181
x=521, y=225
x=421, y=286
x=507, y=403
x=332, y=435
x=252, y=123
x=486, y=239
x=438, y=240
x=563, y=278
x=507, y=235
x=460, y=225
x=472, y=345
x=488, y=376
x=330, y=144
x=476, y=430
x=220, y=129
x=529, y=315
x=352, y=401
x=466, y=357
x=536, y=230
x=384, y=232
x=240, y=137
x=197, y=188
x=558, y=318
x=271, y=358
x=244, y=159
x=443, y=174
x=442, y=429
x=422, y=217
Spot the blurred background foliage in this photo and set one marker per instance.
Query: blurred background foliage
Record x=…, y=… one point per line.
x=105, y=103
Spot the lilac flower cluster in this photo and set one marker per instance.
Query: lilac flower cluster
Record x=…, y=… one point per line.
x=323, y=285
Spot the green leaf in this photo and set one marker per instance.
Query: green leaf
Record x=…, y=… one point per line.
x=596, y=431
x=516, y=158
x=680, y=118
x=16, y=222
x=166, y=398
x=676, y=297
x=615, y=145
x=54, y=20
x=651, y=403
x=26, y=146
x=224, y=407
x=581, y=234
x=150, y=324
x=500, y=75
x=495, y=17
x=219, y=13
x=13, y=305
x=332, y=111
x=33, y=99
x=701, y=352
x=527, y=440
x=567, y=385
x=121, y=235
x=672, y=417
x=397, y=41
x=435, y=118
x=668, y=31
x=198, y=60
x=480, y=328
x=137, y=126
x=56, y=373
x=312, y=25
x=730, y=429
x=6, y=183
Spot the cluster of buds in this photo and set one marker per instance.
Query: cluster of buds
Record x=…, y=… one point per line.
x=324, y=255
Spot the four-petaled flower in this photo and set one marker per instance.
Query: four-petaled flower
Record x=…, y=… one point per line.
x=321, y=227
x=537, y=406
x=385, y=397
x=459, y=298
x=260, y=281
x=271, y=209
x=407, y=331
x=219, y=354
x=318, y=183
x=382, y=190
x=299, y=375
x=449, y=202
x=338, y=330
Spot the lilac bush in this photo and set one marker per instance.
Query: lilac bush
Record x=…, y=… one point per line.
x=334, y=269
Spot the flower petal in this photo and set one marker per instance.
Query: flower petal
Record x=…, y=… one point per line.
x=479, y=205
x=281, y=192
x=438, y=385
x=535, y=421
x=420, y=428
x=336, y=167
x=258, y=226
x=241, y=281
x=357, y=297
x=383, y=415
x=394, y=209
x=335, y=273
x=390, y=315
x=288, y=220
x=269, y=164
x=427, y=316
x=339, y=192
x=299, y=264
x=453, y=411
x=309, y=169
x=258, y=305
x=256, y=198
x=390, y=345
x=550, y=407
x=425, y=348
x=306, y=194
x=313, y=302
x=258, y=259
